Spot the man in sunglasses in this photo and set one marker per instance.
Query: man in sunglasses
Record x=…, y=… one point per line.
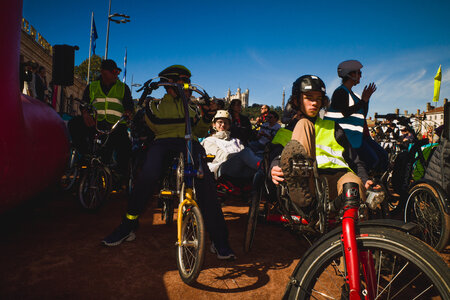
x=112, y=99
x=350, y=111
x=165, y=118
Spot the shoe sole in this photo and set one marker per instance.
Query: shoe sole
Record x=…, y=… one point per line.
x=128, y=238
x=213, y=250
x=298, y=194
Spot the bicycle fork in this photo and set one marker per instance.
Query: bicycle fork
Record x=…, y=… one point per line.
x=188, y=201
x=354, y=258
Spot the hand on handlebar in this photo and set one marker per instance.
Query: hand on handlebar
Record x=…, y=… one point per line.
x=88, y=119
x=370, y=184
x=277, y=174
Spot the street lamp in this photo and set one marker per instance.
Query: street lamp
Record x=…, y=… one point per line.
x=124, y=19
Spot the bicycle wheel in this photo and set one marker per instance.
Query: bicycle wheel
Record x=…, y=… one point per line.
x=425, y=208
x=94, y=188
x=405, y=268
x=71, y=173
x=168, y=211
x=252, y=220
x=191, y=251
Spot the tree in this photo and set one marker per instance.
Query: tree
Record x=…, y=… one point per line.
x=82, y=69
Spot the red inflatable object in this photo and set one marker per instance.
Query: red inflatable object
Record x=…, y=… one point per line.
x=33, y=138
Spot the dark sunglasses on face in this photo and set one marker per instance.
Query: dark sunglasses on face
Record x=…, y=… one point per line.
x=185, y=79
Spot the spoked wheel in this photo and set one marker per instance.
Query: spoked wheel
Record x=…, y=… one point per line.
x=71, y=173
x=405, y=268
x=191, y=251
x=94, y=187
x=426, y=209
x=252, y=220
x=323, y=196
x=168, y=211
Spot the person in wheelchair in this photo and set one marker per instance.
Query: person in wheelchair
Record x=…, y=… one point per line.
x=231, y=158
x=317, y=142
x=166, y=119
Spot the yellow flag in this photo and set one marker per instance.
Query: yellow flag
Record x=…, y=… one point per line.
x=437, y=85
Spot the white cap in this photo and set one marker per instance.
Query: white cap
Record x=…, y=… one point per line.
x=222, y=114
x=348, y=66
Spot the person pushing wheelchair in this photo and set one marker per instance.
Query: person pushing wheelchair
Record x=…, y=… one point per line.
x=318, y=141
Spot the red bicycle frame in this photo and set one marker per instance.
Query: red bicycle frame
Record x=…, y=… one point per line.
x=353, y=259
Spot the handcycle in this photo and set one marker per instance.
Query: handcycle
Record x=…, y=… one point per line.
x=179, y=184
x=310, y=222
x=421, y=201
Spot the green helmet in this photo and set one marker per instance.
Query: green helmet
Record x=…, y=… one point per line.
x=174, y=72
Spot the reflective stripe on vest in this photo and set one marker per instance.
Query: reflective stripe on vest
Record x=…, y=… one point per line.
x=353, y=125
x=329, y=153
x=109, y=107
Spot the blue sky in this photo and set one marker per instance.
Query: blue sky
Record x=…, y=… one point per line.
x=265, y=45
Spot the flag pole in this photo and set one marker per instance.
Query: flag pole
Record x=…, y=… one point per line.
x=90, y=49
x=125, y=67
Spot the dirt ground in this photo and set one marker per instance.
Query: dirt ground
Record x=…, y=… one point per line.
x=50, y=249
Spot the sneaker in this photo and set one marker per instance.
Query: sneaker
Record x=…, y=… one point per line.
x=125, y=232
x=294, y=164
x=223, y=253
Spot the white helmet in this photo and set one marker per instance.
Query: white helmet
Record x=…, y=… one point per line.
x=348, y=66
x=222, y=114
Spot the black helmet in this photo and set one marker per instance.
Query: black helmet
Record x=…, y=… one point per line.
x=308, y=83
x=174, y=72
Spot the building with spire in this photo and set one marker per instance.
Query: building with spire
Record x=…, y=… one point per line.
x=239, y=95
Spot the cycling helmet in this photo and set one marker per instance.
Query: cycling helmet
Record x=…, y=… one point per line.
x=348, y=66
x=174, y=72
x=308, y=83
x=222, y=114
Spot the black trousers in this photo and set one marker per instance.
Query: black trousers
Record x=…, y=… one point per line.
x=154, y=166
x=118, y=141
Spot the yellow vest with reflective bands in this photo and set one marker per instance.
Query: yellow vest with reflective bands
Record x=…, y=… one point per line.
x=109, y=107
x=329, y=153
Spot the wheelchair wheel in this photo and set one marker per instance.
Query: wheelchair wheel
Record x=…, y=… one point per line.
x=95, y=186
x=425, y=208
x=191, y=250
x=252, y=220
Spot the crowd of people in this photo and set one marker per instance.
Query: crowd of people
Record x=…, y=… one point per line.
x=33, y=80
x=340, y=143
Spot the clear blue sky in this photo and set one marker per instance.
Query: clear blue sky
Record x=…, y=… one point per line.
x=265, y=45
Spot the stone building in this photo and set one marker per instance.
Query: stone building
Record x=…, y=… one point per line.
x=239, y=95
x=35, y=48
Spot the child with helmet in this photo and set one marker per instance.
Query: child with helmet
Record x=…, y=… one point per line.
x=317, y=141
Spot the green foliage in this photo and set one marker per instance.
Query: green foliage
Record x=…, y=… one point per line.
x=82, y=69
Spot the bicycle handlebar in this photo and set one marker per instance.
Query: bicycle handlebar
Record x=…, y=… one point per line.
x=150, y=86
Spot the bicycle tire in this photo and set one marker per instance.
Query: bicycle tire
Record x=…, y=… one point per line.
x=425, y=208
x=191, y=251
x=168, y=211
x=71, y=172
x=252, y=219
x=423, y=267
x=94, y=188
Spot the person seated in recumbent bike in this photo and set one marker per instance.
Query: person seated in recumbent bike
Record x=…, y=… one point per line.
x=321, y=144
x=232, y=161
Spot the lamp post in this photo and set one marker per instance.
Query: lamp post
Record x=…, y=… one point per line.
x=111, y=17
